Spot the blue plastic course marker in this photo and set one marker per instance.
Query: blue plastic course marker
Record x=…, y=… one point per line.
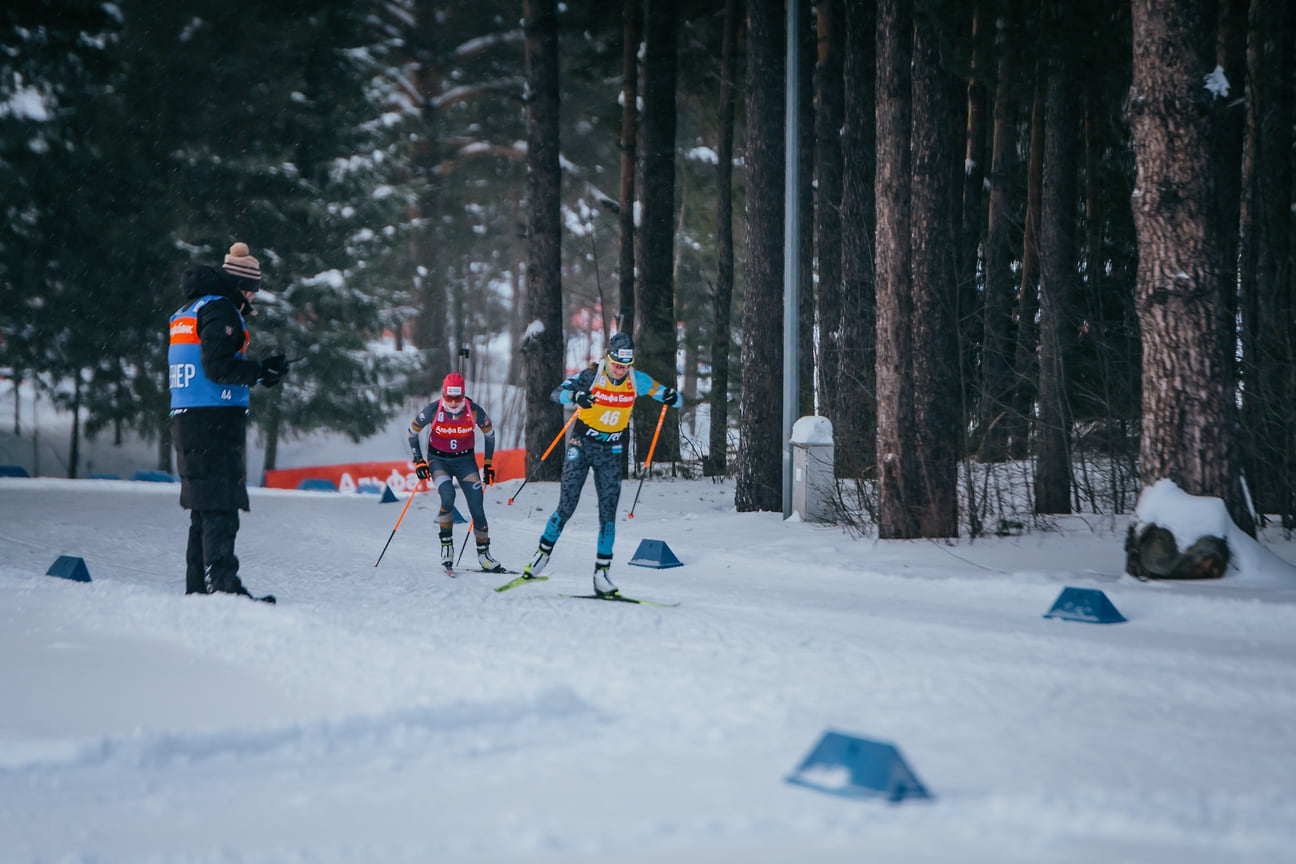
x=655, y=553
x=69, y=567
x=1084, y=604
x=855, y=767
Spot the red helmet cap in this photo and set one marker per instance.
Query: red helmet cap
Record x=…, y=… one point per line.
x=453, y=386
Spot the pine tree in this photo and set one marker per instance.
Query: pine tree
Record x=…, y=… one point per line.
x=759, y=466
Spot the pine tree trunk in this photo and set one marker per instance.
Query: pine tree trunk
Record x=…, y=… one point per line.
x=430, y=325
x=829, y=89
x=995, y=399
x=1189, y=432
x=1026, y=353
x=759, y=473
x=1057, y=275
x=971, y=196
x=936, y=378
x=632, y=35
x=273, y=427
x=855, y=425
x=655, y=339
x=165, y=451
x=722, y=301
x=74, y=446
x=898, y=495
x=1269, y=308
x=543, y=345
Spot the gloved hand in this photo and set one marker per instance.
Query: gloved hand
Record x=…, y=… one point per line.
x=422, y=470
x=583, y=399
x=488, y=473
x=672, y=397
x=273, y=369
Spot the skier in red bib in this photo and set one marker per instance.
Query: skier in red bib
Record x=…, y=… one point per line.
x=451, y=422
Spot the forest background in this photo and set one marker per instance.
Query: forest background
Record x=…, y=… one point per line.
x=1053, y=233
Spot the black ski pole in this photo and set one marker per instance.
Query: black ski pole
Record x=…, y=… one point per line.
x=464, y=544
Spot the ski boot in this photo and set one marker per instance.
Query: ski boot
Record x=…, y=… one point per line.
x=533, y=568
x=488, y=564
x=603, y=584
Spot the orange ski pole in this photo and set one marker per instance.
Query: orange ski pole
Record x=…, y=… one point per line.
x=398, y=521
x=648, y=462
x=561, y=433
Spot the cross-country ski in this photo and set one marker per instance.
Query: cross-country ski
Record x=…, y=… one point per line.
x=619, y=598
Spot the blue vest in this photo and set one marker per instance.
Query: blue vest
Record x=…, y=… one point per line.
x=190, y=386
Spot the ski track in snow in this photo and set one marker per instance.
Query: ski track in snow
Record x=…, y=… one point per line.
x=391, y=714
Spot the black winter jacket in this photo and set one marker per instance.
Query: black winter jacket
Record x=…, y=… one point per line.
x=211, y=443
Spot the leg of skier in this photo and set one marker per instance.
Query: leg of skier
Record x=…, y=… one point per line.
x=444, y=483
x=607, y=482
x=575, y=467
x=471, y=484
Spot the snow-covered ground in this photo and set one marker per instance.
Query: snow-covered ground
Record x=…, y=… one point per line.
x=390, y=714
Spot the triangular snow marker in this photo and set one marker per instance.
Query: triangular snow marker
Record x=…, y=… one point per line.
x=655, y=553
x=855, y=767
x=69, y=567
x=388, y=496
x=1084, y=604
x=458, y=517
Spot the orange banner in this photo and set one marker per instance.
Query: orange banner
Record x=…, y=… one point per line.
x=373, y=476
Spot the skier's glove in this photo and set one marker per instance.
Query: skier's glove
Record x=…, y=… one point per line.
x=672, y=397
x=422, y=470
x=488, y=473
x=583, y=399
x=273, y=369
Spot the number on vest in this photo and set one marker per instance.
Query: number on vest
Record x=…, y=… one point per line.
x=610, y=418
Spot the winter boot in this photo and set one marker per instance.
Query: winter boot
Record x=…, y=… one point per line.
x=532, y=569
x=447, y=552
x=488, y=564
x=603, y=584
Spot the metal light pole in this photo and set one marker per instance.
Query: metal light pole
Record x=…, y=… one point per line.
x=791, y=246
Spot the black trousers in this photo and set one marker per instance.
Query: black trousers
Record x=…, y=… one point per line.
x=604, y=460
x=447, y=469
x=210, y=563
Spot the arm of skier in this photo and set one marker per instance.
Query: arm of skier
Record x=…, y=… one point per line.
x=487, y=429
x=646, y=385
x=566, y=392
x=420, y=422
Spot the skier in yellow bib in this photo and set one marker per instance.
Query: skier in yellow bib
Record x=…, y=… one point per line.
x=604, y=397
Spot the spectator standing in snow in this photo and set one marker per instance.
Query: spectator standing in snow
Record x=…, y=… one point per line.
x=451, y=422
x=210, y=381
x=604, y=396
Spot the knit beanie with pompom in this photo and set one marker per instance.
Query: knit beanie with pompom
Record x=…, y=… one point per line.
x=239, y=262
